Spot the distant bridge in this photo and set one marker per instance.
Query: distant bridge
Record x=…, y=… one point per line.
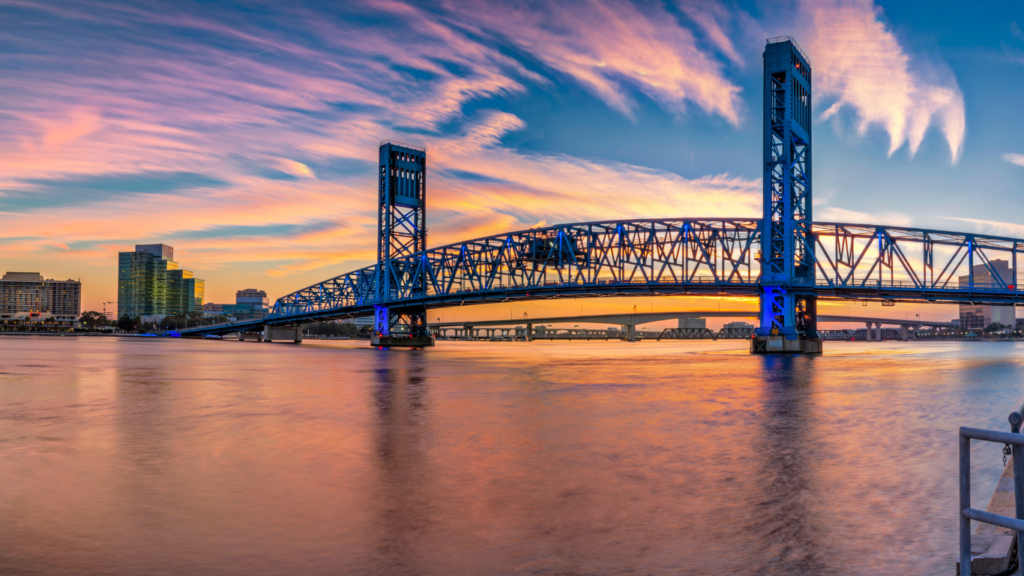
x=630, y=321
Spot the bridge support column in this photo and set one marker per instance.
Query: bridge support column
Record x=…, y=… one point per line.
x=904, y=332
x=869, y=332
x=529, y=332
x=630, y=333
x=282, y=333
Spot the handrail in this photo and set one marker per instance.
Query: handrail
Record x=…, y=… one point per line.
x=790, y=39
x=1017, y=416
x=403, y=145
x=1015, y=439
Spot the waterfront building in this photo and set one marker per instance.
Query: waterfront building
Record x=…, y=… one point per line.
x=977, y=318
x=691, y=323
x=248, y=303
x=28, y=301
x=150, y=284
x=738, y=326
x=255, y=299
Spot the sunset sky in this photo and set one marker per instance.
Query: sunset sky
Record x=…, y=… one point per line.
x=245, y=134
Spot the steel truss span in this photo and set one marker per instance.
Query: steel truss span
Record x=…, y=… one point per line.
x=669, y=257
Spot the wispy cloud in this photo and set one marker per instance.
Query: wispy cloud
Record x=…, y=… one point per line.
x=995, y=227
x=1017, y=159
x=891, y=218
x=613, y=46
x=220, y=135
x=859, y=62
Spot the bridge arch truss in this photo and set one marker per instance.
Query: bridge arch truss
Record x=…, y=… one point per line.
x=671, y=256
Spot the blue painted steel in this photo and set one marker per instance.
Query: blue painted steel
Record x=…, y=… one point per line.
x=788, y=257
x=708, y=257
x=401, y=233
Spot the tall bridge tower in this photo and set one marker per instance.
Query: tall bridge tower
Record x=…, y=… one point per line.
x=401, y=232
x=788, y=306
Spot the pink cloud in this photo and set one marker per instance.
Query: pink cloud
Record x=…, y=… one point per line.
x=250, y=101
x=860, y=63
x=611, y=47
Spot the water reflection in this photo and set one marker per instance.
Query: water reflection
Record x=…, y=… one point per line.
x=218, y=458
x=403, y=504
x=790, y=537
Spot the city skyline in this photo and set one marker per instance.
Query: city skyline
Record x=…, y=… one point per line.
x=250, y=145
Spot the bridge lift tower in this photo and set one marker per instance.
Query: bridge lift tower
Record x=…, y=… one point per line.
x=788, y=305
x=401, y=231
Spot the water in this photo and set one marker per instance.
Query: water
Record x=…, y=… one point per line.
x=148, y=456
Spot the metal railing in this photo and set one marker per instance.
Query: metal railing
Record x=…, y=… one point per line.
x=410, y=146
x=1015, y=439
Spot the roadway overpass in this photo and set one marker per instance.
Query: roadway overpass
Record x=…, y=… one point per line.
x=631, y=320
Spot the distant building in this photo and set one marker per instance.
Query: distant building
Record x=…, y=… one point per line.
x=738, y=326
x=27, y=301
x=150, y=284
x=252, y=297
x=977, y=318
x=249, y=302
x=690, y=323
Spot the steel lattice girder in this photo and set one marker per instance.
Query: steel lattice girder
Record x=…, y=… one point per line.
x=671, y=256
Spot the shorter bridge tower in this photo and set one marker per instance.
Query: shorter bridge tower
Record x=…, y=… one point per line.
x=401, y=233
x=788, y=303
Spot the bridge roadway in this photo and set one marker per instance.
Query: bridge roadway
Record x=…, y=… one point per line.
x=656, y=257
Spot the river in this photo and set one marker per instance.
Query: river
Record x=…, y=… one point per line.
x=142, y=456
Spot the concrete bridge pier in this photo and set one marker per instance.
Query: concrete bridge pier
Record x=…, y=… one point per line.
x=282, y=333
x=631, y=333
x=872, y=334
x=529, y=332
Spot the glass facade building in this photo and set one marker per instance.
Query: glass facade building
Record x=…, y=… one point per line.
x=149, y=283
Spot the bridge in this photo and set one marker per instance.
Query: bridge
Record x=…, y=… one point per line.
x=629, y=321
x=785, y=258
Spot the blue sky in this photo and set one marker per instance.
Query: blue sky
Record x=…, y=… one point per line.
x=244, y=134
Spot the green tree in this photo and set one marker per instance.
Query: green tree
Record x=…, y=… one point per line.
x=128, y=323
x=93, y=319
x=995, y=327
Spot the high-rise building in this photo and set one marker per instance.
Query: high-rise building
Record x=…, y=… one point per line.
x=252, y=297
x=977, y=318
x=28, y=300
x=150, y=284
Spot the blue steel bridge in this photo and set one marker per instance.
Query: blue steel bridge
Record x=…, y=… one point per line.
x=698, y=257
x=785, y=258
